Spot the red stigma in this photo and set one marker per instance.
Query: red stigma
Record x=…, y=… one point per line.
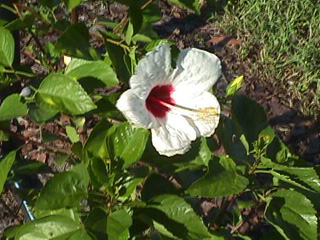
x=158, y=98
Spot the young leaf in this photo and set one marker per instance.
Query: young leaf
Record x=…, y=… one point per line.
x=47, y=228
x=72, y=134
x=122, y=143
x=118, y=224
x=5, y=167
x=65, y=190
x=292, y=214
x=221, y=180
x=62, y=93
x=179, y=220
x=12, y=107
x=6, y=47
x=234, y=86
x=129, y=33
x=80, y=68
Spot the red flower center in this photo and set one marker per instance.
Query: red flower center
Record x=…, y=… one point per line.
x=159, y=100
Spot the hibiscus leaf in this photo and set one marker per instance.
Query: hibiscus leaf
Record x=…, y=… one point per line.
x=221, y=180
x=75, y=41
x=292, y=214
x=6, y=47
x=5, y=167
x=65, y=190
x=62, y=93
x=127, y=143
x=176, y=218
x=164, y=186
x=96, y=223
x=118, y=224
x=80, y=68
x=71, y=4
x=12, y=107
x=249, y=116
x=51, y=227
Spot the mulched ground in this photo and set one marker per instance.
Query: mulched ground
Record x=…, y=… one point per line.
x=300, y=133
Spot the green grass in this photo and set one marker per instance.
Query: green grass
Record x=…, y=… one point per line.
x=282, y=39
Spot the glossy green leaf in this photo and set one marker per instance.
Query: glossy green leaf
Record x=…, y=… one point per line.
x=234, y=86
x=12, y=107
x=62, y=93
x=118, y=224
x=80, y=68
x=75, y=41
x=179, y=219
x=5, y=167
x=21, y=23
x=47, y=228
x=65, y=190
x=72, y=134
x=221, y=180
x=292, y=214
x=122, y=143
x=67, y=212
x=6, y=47
x=98, y=172
x=249, y=116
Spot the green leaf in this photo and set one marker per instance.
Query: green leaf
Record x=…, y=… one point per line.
x=80, y=68
x=52, y=227
x=62, y=93
x=40, y=115
x=106, y=107
x=4, y=136
x=6, y=47
x=129, y=33
x=72, y=134
x=249, y=116
x=221, y=180
x=67, y=212
x=118, y=224
x=193, y=5
x=122, y=143
x=71, y=4
x=65, y=190
x=234, y=86
x=164, y=186
x=12, y=107
x=5, y=167
x=292, y=214
x=117, y=56
x=96, y=143
x=21, y=23
x=97, y=223
x=179, y=220
x=75, y=41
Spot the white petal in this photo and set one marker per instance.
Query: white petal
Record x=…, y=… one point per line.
x=173, y=137
x=134, y=109
x=196, y=71
x=205, y=126
x=151, y=71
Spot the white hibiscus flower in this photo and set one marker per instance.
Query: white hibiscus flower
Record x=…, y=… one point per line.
x=175, y=104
